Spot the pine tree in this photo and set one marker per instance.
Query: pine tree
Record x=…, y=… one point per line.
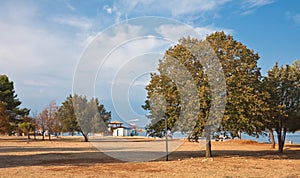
x=10, y=105
x=282, y=83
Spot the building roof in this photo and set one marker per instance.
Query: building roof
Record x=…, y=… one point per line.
x=116, y=122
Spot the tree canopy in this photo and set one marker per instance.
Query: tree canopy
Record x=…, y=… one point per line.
x=10, y=106
x=283, y=86
x=245, y=101
x=77, y=113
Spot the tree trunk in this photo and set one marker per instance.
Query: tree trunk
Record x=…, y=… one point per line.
x=272, y=138
x=34, y=135
x=208, y=146
x=28, y=135
x=280, y=148
x=49, y=136
x=86, y=139
x=256, y=136
x=281, y=139
x=43, y=135
x=239, y=135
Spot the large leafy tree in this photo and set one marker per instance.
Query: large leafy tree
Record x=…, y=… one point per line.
x=67, y=116
x=184, y=87
x=10, y=104
x=162, y=86
x=245, y=100
x=78, y=113
x=283, y=85
x=245, y=103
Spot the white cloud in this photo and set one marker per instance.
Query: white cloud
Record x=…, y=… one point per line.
x=40, y=55
x=256, y=3
x=296, y=19
x=180, y=7
x=109, y=9
x=181, y=10
x=69, y=6
x=77, y=22
x=39, y=61
x=37, y=83
x=176, y=32
x=177, y=7
x=204, y=31
x=250, y=6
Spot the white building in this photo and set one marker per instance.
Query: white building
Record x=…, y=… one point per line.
x=116, y=128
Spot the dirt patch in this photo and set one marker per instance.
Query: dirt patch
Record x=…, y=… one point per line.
x=244, y=141
x=71, y=157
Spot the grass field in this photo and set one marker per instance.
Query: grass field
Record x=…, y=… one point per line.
x=71, y=157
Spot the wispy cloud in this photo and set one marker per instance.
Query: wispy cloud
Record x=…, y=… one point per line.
x=37, y=58
x=177, y=32
x=296, y=19
x=77, y=22
x=293, y=17
x=109, y=9
x=256, y=3
x=250, y=6
x=69, y=6
x=180, y=7
x=177, y=9
x=207, y=30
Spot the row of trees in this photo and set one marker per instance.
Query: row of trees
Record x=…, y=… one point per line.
x=254, y=103
x=76, y=114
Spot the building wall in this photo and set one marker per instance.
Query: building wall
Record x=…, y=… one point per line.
x=118, y=132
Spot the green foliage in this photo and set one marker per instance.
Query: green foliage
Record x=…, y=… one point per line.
x=26, y=127
x=180, y=78
x=184, y=82
x=245, y=100
x=5, y=126
x=161, y=85
x=79, y=114
x=283, y=85
x=67, y=116
x=10, y=106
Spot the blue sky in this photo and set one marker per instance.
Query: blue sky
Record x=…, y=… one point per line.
x=41, y=41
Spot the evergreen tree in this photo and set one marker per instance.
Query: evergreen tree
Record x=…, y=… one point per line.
x=79, y=114
x=10, y=105
x=283, y=85
x=67, y=116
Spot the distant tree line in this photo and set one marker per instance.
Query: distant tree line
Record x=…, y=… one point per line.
x=76, y=114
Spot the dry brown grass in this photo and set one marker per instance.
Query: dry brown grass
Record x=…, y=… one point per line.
x=71, y=157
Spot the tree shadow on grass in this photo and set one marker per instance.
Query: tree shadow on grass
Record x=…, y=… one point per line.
x=39, y=139
x=8, y=149
x=263, y=154
x=90, y=158
x=57, y=159
x=16, y=156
